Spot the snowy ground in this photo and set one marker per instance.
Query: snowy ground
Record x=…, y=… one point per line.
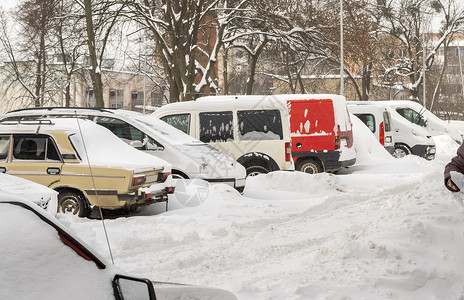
x=383, y=229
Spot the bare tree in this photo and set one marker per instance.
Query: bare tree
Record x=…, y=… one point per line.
x=100, y=17
x=405, y=23
x=188, y=36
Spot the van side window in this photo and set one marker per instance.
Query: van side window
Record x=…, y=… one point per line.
x=181, y=121
x=34, y=148
x=368, y=120
x=121, y=129
x=216, y=127
x=411, y=115
x=4, y=146
x=260, y=124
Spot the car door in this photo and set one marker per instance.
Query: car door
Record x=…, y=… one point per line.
x=34, y=157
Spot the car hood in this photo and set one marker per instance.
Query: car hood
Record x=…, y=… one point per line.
x=212, y=162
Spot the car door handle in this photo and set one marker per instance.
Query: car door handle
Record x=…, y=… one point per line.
x=2, y=170
x=53, y=171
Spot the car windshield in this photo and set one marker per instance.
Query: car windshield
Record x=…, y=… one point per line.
x=164, y=131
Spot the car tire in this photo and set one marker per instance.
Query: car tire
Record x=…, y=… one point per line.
x=256, y=170
x=401, y=151
x=179, y=175
x=73, y=203
x=310, y=166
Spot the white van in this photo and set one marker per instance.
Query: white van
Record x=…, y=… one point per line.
x=410, y=138
x=419, y=115
x=189, y=157
x=254, y=131
x=377, y=118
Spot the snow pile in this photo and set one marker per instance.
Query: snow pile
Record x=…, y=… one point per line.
x=383, y=229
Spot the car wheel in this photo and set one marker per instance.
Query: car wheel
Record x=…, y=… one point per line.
x=256, y=170
x=179, y=175
x=72, y=203
x=401, y=151
x=310, y=166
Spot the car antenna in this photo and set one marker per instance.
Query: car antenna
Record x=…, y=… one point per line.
x=95, y=188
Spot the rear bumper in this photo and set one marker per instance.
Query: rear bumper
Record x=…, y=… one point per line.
x=238, y=184
x=390, y=149
x=425, y=151
x=330, y=159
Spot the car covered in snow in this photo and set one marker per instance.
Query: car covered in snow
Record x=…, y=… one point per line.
x=41, y=195
x=85, y=163
x=417, y=114
x=190, y=158
x=42, y=260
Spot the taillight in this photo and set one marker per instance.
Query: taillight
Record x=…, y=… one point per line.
x=170, y=190
x=381, y=135
x=139, y=180
x=288, y=151
x=163, y=176
x=337, y=138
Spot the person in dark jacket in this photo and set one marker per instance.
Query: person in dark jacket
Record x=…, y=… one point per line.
x=455, y=165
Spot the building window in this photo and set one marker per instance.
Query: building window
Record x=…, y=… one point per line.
x=116, y=98
x=137, y=99
x=157, y=98
x=90, y=98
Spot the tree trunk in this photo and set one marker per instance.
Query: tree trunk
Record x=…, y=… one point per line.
x=95, y=71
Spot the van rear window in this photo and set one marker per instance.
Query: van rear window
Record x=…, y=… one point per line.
x=216, y=127
x=368, y=120
x=260, y=124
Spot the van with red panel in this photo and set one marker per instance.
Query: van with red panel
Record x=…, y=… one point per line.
x=321, y=132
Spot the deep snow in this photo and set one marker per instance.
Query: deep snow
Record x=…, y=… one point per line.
x=383, y=229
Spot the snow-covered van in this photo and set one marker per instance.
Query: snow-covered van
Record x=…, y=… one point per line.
x=410, y=138
x=253, y=130
x=319, y=128
x=416, y=113
x=190, y=158
x=377, y=118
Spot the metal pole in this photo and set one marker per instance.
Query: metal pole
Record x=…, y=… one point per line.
x=460, y=69
x=341, y=49
x=144, y=72
x=423, y=67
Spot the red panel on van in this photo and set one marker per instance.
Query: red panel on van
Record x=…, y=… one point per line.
x=312, y=125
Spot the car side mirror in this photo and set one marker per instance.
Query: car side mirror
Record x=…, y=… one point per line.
x=136, y=144
x=126, y=287
x=423, y=122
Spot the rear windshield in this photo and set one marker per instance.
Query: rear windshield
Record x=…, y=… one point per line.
x=368, y=120
x=260, y=124
x=180, y=121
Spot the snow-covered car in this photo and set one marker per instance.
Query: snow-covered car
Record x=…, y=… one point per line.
x=190, y=158
x=87, y=164
x=42, y=260
x=41, y=195
x=415, y=113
